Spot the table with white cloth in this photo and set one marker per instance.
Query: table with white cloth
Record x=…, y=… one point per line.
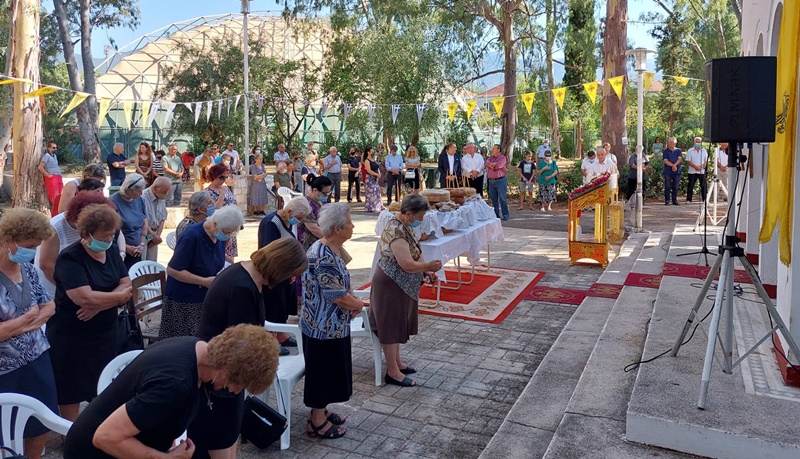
x=468, y=242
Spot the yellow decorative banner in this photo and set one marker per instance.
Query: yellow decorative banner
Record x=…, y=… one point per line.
x=527, y=99
x=591, y=91
x=778, y=204
x=7, y=81
x=127, y=107
x=498, y=105
x=648, y=80
x=43, y=91
x=470, y=107
x=616, y=84
x=105, y=104
x=77, y=99
x=451, y=110
x=12, y=80
x=145, y=114
x=559, y=94
x=682, y=80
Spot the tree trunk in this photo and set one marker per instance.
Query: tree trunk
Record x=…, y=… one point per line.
x=614, y=47
x=579, y=143
x=29, y=188
x=7, y=117
x=508, y=117
x=88, y=126
x=551, y=80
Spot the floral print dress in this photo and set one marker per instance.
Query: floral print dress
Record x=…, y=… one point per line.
x=372, y=193
x=231, y=247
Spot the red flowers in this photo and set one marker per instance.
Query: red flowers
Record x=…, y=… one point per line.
x=595, y=183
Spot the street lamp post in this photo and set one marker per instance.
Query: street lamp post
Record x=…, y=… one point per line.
x=246, y=51
x=640, y=58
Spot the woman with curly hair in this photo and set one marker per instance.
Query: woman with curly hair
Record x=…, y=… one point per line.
x=222, y=195
x=156, y=397
x=236, y=299
x=24, y=307
x=91, y=282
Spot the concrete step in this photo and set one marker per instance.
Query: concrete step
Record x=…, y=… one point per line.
x=594, y=420
x=529, y=426
x=736, y=422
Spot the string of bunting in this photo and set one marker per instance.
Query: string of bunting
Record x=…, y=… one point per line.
x=149, y=109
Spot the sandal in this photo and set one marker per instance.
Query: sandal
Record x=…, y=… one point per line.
x=408, y=370
x=330, y=434
x=406, y=382
x=334, y=418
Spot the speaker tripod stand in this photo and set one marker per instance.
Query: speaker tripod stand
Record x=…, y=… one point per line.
x=703, y=250
x=713, y=197
x=725, y=295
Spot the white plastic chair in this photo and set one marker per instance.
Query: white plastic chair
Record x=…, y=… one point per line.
x=172, y=240
x=291, y=369
x=360, y=326
x=114, y=368
x=152, y=289
x=287, y=194
x=26, y=407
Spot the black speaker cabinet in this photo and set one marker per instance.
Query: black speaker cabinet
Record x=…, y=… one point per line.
x=740, y=99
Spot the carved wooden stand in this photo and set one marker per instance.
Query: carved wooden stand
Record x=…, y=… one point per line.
x=594, y=248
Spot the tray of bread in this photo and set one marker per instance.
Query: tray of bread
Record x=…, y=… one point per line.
x=460, y=195
x=436, y=195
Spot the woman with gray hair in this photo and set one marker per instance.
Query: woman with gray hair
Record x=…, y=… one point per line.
x=394, y=297
x=199, y=256
x=200, y=207
x=132, y=210
x=328, y=306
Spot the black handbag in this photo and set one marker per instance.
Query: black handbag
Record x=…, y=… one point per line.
x=261, y=424
x=129, y=333
x=13, y=454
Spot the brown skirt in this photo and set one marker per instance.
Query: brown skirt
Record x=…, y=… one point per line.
x=393, y=315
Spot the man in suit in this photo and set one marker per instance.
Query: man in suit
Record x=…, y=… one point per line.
x=449, y=166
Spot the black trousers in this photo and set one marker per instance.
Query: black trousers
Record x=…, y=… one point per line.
x=632, y=188
x=476, y=183
x=391, y=182
x=353, y=181
x=690, y=189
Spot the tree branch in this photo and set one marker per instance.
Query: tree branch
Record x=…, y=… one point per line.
x=529, y=37
x=478, y=77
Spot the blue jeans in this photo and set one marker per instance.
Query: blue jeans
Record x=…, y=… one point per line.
x=497, y=193
x=671, y=182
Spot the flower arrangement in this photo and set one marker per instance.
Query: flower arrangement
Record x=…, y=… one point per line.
x=595, y=183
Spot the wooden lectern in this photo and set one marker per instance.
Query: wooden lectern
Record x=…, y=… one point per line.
x=584, y=246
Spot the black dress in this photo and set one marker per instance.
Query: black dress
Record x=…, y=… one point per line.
x=79, y=350
x=233, y=299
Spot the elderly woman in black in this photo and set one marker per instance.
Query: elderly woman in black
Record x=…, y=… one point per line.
x=328, y=306
x=235, y=298
x=394, y=297
x=200, y=207
x=91, y=282
x=24, y=307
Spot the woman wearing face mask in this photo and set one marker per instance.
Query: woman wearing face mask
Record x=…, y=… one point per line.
x=236, y=299
x=222, y=196
x=91, y=171
x=394, y=297
x=310, y=168
x=320, y=189
x=199, y=256
x=24, y=307
x=200, y=207
x=91, y=282
x=548, y=170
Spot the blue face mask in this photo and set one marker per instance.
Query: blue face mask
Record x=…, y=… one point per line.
x=99, y=246
x=210, y=210
x=23, y=255
x=221, y=236
x=322, y=199
x=698, y=145
x=591, y=160
x=294, y=221
x=415, y=223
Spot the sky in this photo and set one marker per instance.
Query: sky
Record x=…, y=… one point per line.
x=156, y=14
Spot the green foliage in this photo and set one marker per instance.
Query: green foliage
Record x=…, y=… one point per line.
x=459, y=130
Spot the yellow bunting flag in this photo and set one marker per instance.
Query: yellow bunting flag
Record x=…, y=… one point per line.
x=470, y=107
x=559, y=94
x=127, y=107
x=591, y=90
x=648, y=80
x=498, y=105
x=145, y=114
x=682, y=80
x=7, y=81
x=77, y=99
x=616, y=84
x=12, y=80
x=43, y=91
x=778, y=203
x=451, y=110
x=105, y=104
x=527, y=99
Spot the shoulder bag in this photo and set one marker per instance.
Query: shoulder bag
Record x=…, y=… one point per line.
x=261, y=424
x=129, y=333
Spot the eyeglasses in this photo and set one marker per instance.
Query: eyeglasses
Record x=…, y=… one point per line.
x=223, y=177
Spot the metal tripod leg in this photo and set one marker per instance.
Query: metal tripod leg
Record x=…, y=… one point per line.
x=697, y=304
x=713, y=328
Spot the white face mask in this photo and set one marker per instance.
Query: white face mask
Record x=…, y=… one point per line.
x=548, y=160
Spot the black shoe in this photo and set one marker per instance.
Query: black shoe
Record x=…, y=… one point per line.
x=666, y=203
x=290, y=342
x=675, y=203
x=358, y=200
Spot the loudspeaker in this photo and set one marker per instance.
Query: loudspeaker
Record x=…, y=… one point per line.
x=740, y=99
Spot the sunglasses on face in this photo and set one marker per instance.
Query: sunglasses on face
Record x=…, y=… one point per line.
x=224, y=177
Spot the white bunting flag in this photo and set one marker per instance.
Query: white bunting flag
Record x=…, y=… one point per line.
x=420, y=111
x=395, y=112
x=260, y=101
x=323, y=109
x=168, y=115
x=228, y=103
x=219, y=109
x=209, y=107
x=236, y=104
x=347, y=109
x=197, y=107
x=153, y=112
x=371, y=110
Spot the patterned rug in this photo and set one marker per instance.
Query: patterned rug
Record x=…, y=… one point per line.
x=599, y=290
x=556, y=295
x=643, y=280
x=701, y=272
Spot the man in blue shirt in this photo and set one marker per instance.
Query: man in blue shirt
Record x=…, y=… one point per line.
x=673, y=160
x=332, y=168
x=116, y=164
x=394, y=170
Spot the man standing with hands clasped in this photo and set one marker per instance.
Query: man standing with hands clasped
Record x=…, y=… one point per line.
x=697, y=159
x=472, y=167
x=498, y=186
x=332, y=167
x=394, y=166
x=173, y=170
x=672, y=171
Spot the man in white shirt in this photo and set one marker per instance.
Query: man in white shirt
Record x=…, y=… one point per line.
x=155, y=202
x=236, y=164
x=472, y=167
x=280, y=156
x=587, y=167
x=721, y=160
x=697, y=159
x=542, y=148
x=611, y=156
x=604, y=164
